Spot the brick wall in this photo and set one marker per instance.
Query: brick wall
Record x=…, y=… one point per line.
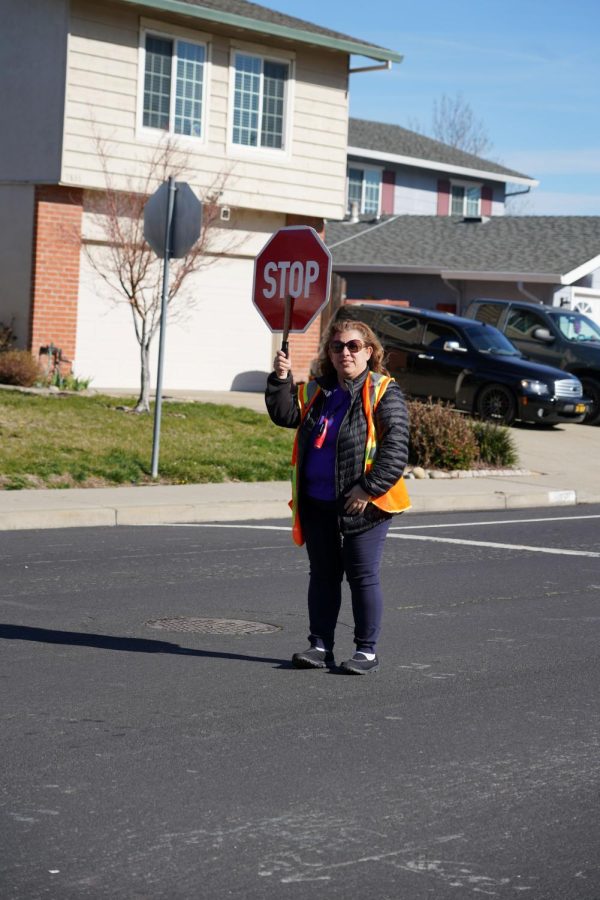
x=55, y=281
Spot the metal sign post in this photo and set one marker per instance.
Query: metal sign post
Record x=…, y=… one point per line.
x=172, y=225
x=163, y=325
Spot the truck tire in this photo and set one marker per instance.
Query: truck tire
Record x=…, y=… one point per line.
x=496, y=403
x=591, y=389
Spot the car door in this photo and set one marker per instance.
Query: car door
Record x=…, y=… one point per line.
x=520, y=327
x=400, y=334
x=436, y=370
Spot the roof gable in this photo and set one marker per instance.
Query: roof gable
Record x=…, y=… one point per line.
x=389, y=141
x=258, y=19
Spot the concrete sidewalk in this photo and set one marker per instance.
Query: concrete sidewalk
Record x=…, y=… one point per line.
x=558, y=467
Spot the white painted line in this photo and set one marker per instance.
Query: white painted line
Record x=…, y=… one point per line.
x=417, y=537
x=492, y=522
x=553, y=550
x=217, y=525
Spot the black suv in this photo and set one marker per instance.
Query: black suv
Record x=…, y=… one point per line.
x=550, y=335
x=471, y=365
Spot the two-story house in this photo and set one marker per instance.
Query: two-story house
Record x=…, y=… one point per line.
x=427, y=223
x=258, y=102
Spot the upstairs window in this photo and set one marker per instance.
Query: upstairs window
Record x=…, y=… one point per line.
x=174, y=77
x=260, y=91
x=466, y=200
x=364, y=188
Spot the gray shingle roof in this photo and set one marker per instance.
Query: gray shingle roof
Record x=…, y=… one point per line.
x=271, y=20
x=544, y=245
x=378, y=136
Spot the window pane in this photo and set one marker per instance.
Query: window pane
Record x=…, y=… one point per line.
x=371, y=200
x=458, y=198
x=246, y=100
x=157, y=82
x=473, y=197
x=188, y=95
x=355, y=180
x=274, y=80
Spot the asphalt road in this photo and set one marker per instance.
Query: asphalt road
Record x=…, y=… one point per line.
x=139, y=762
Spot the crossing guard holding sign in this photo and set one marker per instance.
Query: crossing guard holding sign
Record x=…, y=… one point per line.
x=348, y=459
x=292, y=279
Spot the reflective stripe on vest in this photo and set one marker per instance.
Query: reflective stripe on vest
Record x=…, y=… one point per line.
x=396, y=499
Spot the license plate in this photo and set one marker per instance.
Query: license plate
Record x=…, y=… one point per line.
x=580, y=408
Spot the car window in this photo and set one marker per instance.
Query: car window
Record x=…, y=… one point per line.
x=405, y=328
x=576, y=327
x=521, y=324
x=487, y=339
x=437, y=333
x=488, y=312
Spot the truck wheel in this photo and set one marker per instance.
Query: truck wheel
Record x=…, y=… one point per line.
x=495, y=403
x=591, y=389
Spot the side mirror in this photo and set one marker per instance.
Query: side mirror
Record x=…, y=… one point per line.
x=454, y=347
x=542, y=334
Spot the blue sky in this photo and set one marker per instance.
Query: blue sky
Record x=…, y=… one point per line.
x=530, y=71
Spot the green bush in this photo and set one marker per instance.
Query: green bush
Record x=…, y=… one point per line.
x=442, y=438
x=496, y=445
x=18, y=367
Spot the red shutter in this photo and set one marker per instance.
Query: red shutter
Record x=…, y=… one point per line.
x=487, y=196
x=443, y=204
x=388, y=184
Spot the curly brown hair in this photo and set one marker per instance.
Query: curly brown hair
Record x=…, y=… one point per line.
x=324, y=364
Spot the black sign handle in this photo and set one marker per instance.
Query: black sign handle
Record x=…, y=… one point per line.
x=287, y=321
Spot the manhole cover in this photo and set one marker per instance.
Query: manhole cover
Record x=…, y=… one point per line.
x=213, y=626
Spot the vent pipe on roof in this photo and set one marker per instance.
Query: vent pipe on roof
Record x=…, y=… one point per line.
x=354, y=213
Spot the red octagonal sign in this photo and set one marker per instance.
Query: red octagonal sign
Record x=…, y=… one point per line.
x=295, y=264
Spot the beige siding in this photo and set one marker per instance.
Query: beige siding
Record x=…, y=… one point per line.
x=102, y=104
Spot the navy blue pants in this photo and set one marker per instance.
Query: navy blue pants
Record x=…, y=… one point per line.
x=330, y=556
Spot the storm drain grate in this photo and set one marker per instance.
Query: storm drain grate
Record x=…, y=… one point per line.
x=213, y=626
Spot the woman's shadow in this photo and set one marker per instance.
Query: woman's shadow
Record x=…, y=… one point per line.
x=125, y=644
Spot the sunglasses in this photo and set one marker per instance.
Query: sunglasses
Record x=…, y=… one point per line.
x=353, y=346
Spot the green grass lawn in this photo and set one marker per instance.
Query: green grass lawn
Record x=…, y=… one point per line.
x=62, y=441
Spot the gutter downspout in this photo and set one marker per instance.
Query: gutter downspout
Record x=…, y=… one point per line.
x=386, y=65
x=456, y=291
x=527, y=294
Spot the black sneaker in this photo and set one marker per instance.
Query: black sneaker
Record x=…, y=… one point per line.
x=313, y=658
x=359, y=665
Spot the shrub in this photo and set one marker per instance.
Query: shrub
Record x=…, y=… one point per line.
x=440, y=437
x=18, y=367
x=7, y=337
x=496, y=444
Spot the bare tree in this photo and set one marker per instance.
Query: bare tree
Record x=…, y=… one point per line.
x=127, y=263
x=454, y=123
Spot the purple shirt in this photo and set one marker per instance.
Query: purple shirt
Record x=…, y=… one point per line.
x=318, y=475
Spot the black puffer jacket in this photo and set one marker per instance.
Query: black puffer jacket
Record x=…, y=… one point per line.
x=391, y=424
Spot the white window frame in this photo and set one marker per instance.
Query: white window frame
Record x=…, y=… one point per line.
x=244, y=151
x=378, y=170
x=465, y=185
x=157, y=29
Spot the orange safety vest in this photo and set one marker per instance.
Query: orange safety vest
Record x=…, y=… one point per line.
x=394, y=500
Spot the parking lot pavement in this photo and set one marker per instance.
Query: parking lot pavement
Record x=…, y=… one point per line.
x=556, y=468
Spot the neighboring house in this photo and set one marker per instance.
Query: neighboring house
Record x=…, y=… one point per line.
x=426, y=224
x=250, y=94
x=394, y=170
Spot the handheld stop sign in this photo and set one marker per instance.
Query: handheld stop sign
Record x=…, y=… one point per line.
x=292, y=280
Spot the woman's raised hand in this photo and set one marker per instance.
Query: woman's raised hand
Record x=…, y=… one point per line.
x=282, y=364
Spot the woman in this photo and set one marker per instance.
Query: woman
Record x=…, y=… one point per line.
x=349, y=455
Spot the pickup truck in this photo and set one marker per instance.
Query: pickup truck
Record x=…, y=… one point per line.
x=551, y=335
